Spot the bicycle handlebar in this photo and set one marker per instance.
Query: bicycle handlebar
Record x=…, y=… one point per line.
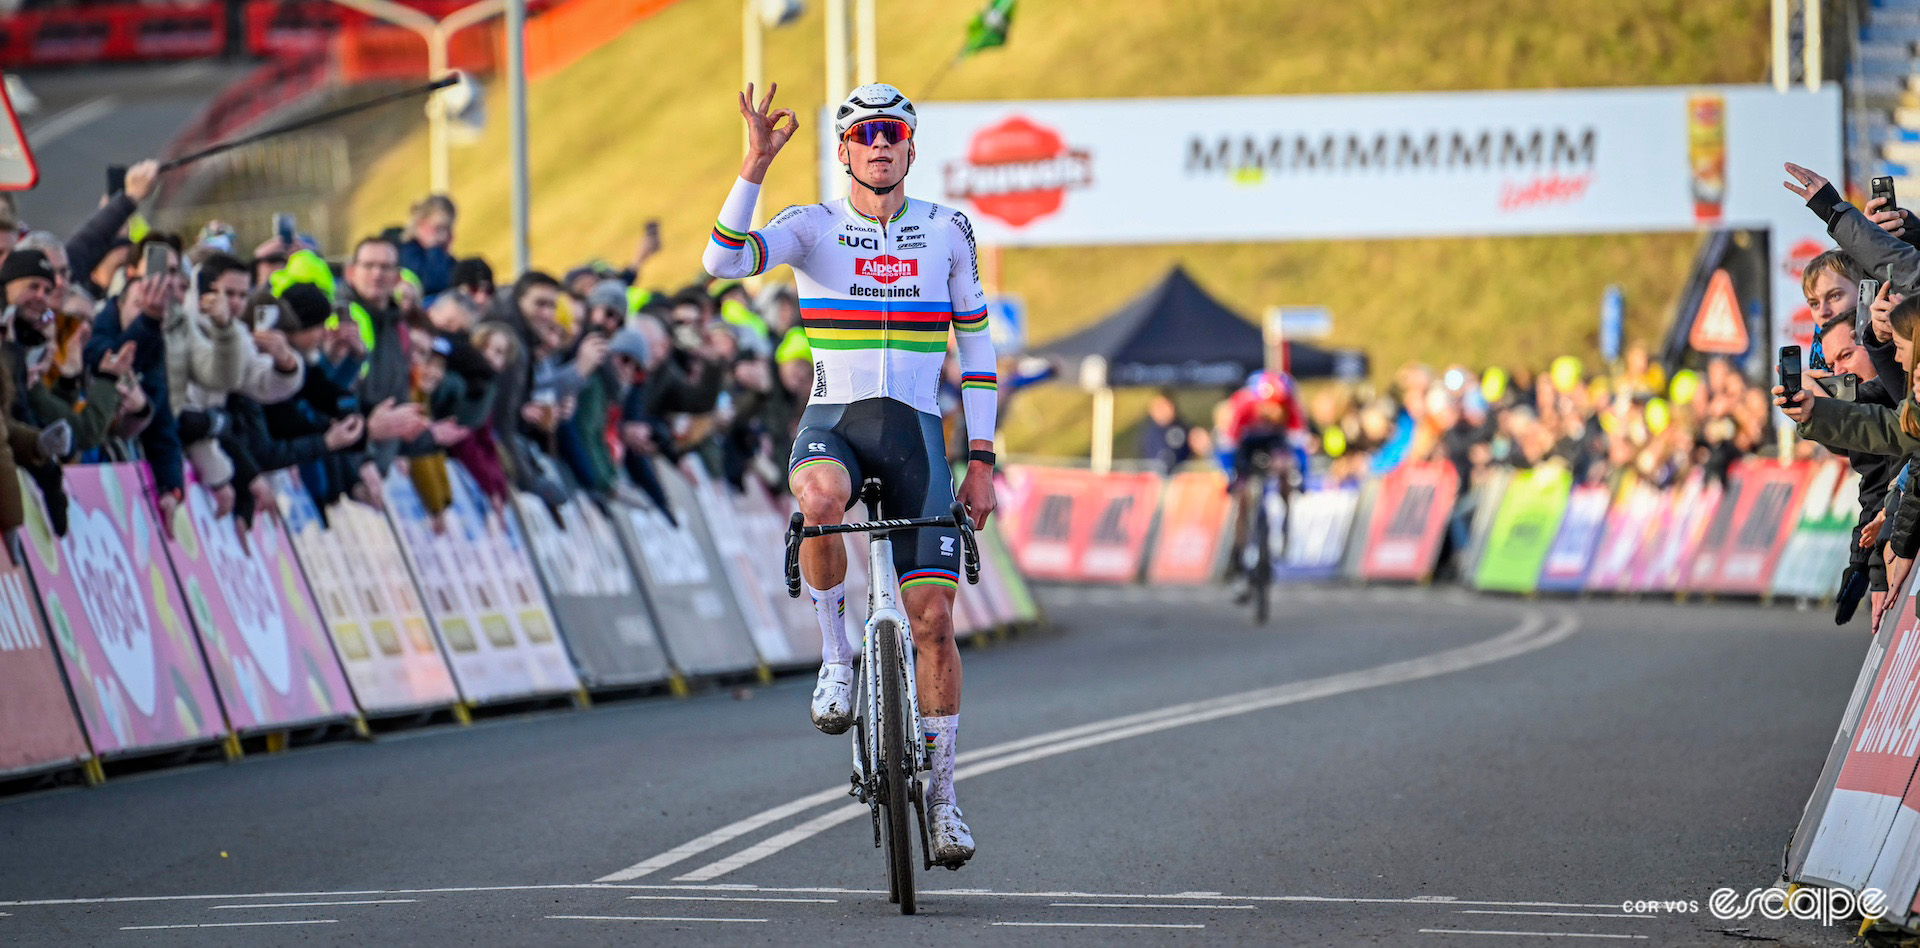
x=956, y=518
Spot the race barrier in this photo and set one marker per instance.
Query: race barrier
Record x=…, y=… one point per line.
x=1768, y=529
x=1523, y=531
x=126, y=637
x=1409, y=522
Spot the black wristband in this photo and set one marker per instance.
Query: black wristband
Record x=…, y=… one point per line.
x=984, y=457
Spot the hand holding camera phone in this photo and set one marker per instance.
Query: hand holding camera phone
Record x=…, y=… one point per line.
x=283, y=228
x=1788, y=372
x=1882, y=187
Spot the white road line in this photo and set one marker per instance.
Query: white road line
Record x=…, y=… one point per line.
x=723, y=835
x=1525, y=637
x=651, y=918
x=1141, y=905
x=248, y=905
x=807, y=890
x=724, y=898
x=742, y=827
x=155, y=928
x=1555, y=914
x=68, y=120
x=1473, y=931
x=1092, y=925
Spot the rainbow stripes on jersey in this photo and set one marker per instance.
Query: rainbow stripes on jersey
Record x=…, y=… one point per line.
x=931, y=576
x=973, y=320
x=905, y=325
x=733, y=240
x=979, y=380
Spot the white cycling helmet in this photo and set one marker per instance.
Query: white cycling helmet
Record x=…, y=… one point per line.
x=873, y=100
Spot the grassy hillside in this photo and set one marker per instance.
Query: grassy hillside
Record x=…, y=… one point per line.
x=647, y=126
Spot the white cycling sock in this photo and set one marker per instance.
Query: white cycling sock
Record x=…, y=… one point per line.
x=942, y=733
x=830, y=607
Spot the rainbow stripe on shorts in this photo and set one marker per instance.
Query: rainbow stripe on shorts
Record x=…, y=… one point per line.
x=931, y=576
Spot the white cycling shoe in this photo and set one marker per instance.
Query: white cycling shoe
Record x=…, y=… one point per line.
x=833, y=699
x=952, y=840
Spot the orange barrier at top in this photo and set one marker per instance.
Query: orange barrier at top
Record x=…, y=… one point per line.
x=555, y=38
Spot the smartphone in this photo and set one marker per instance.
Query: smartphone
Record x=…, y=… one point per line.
x=283, y=227
x=1789, y=371
x=158, y=257
x=653, y=230
x=1883, y=188
x=1843, y=387
x=265, y=317
x=116, y=179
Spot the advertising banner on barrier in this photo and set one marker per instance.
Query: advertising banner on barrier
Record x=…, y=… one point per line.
x=360, y=581
x=1704, y=560
x=1769, y=503
x=763, y=520
x=1193, y=527
x=1628, y=526
x=1118, y=511
x=686, y=582
x=119, y=617
x=258, y=626
x=37, y=728
x=773, y=638
x=1834, y=855
x=1479, y=506
x=1044, y=539
x=1685, y=527
x=1581, y=526
x=1409, y=518
x=499, y=635
x=594, y=594
x=1317, y=529
x=1081, y=526
x=1848, y=846
x=1821, y=544
x=1524, y=530
x=993, y=547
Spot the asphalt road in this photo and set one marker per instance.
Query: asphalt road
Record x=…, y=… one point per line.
x=1379, y=767
x=100, y=115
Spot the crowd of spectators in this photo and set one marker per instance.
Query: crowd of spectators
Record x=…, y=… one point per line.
x=217, y=366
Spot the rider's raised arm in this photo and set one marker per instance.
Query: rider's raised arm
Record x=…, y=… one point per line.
x=737, y=251
x=979, y=386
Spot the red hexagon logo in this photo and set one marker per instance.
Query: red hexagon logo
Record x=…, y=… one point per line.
x=1018, y=171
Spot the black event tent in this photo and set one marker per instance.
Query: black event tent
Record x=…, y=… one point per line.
x=1177, y=335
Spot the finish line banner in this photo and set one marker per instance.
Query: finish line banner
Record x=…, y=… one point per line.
x=1101, y=171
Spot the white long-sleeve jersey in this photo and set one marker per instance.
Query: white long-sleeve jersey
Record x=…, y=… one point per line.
x=876, y=297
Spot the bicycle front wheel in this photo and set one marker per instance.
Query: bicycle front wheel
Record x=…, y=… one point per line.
x=896, y=757
x=1262, y=578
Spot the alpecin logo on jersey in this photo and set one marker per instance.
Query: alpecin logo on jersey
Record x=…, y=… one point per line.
x=886, y=268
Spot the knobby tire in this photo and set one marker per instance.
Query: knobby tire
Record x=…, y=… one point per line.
x=894, y=775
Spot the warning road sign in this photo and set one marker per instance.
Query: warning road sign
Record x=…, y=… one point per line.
x=1718, y=327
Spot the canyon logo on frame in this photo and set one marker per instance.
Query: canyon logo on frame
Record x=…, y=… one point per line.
x=118, y=617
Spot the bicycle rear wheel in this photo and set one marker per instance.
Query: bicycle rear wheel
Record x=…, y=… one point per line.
x=895, y=757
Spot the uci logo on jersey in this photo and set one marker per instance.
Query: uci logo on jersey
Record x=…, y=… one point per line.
x=859, y=243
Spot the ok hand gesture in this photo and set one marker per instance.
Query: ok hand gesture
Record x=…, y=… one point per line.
x=768, y=128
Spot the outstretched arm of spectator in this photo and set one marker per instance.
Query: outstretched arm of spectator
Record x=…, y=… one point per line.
x=1872, y=248
x=88, y=245
x=1850, y=426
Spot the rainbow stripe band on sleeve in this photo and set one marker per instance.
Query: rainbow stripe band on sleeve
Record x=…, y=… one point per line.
x=979, y=380
x=931, y=576
x=733, y=240
x=973, y=320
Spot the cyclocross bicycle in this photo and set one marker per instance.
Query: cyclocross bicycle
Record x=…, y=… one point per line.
x=888, y=758
x=1259, y=557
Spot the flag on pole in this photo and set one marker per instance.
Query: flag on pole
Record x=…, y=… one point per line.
x=989, y=27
